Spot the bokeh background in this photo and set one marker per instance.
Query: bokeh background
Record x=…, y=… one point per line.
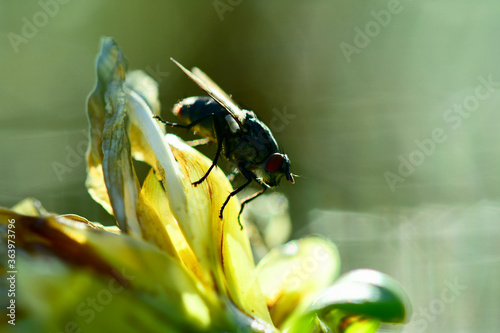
x=365, y=84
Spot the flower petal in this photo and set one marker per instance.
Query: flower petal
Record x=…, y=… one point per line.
x=220, y=244
x=292, y=275
x=161, y=228
x=142, y=92
x=111, y=177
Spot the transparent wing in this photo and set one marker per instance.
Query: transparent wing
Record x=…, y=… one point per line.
x=212, y=89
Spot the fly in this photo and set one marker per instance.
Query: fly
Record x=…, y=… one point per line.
x=238, y=133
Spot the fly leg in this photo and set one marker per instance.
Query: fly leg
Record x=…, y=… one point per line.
x=218, y=134
x=232, y=194
x=247, y=200
x=197, y=121
x=214, y=162
x=249, y=178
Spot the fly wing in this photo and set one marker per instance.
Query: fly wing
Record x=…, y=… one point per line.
x=214, y=91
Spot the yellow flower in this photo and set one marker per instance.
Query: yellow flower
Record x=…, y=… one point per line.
x=171, y=265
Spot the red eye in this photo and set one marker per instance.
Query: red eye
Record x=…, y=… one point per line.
x=274, y=162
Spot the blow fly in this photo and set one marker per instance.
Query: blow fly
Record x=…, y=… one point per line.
x=239, y=134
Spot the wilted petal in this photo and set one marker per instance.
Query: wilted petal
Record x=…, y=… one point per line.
x=111, y=177
x=292, y=275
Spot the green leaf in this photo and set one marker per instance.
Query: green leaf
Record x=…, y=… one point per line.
x=356, y=303
x=366, y=292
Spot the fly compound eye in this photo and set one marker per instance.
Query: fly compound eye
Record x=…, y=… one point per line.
x=274, y=162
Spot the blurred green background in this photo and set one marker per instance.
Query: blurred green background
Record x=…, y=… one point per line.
x=365, y=85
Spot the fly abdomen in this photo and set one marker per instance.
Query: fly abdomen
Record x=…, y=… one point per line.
x=199, y=108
